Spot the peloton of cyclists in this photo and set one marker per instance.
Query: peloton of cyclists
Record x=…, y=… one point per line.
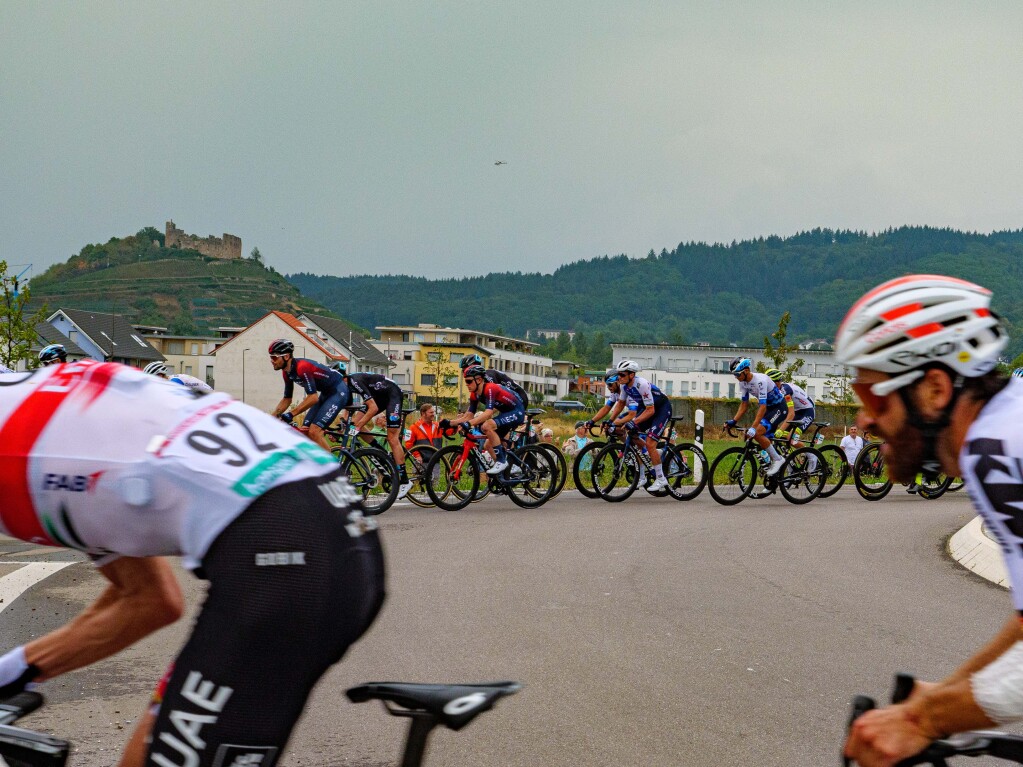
x=503, y=410
x=381, y=395
x=163, y=370
x=772, y=410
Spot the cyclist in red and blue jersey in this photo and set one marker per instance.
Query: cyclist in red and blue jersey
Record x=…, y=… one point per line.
x=652, y=412
x=325, y=390
x=496, y=376
x=772, y=410
x=502, y=412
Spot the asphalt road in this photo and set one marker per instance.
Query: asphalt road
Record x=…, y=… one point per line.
x=647, y=633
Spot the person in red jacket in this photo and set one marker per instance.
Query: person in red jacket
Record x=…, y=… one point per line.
x=426, y=431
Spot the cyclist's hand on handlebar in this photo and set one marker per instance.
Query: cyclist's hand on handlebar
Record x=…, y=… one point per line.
x=730, y=423
x=885, y=736
x=444, y=424
x=287, y=417
x=751, y=432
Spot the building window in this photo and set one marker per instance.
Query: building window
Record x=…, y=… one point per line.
x=450, y=380
x=398, y=378
x=669, y=387
x=195, y=349
x=427, y=380
x=419, y=337
x=455, y=357
x=433, y=356
x=188, y=369
x=409, y=356
x=175, y=347
x=810, y=391
x=72, y=335
x=209, y=374
x=731, y=391
x=684, y=389
x=717, y=390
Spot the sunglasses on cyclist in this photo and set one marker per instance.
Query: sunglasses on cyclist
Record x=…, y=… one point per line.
x=874, y=396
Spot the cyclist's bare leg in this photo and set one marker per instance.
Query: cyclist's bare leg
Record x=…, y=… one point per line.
x=316, y=435
x=134, y=754
x=489, y=429
x=394, y=440
x=654, y=453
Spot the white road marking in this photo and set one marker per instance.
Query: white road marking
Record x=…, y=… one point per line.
x=13, y=585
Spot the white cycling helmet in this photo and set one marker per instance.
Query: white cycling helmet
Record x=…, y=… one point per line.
x=627, y=366
x=156, y=369
x=913, y=321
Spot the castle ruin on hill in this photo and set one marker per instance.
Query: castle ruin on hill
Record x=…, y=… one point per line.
x=227, y=246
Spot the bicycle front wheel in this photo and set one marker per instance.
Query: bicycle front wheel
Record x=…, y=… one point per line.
x=801, y=478
x=837, y=469
x=936, y=488
x=582, y=469
x=451, y=480
x=615, y=472
x=870, y=475
x=685, y=468
x=732, y=476
x=416, y=459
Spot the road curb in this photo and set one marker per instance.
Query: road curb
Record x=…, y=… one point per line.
x=974, y=550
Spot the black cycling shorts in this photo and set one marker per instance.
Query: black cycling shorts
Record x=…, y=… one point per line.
x=294, y=580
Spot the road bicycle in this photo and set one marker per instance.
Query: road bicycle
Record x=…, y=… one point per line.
x=834, y=458
x=737, y=470
x=972, y=744
x=621, y=463
x=872, y=483
x=425, y=705
x=455, y=472
x=416, y=458
x=519, y=438
x=583, y=461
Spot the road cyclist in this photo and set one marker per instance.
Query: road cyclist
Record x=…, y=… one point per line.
x=772, y=408
x=104, y=459
x=166, y=372
x=596, y=427
x=52, y=354
x=925, y=350
x=495, y=376
x=503, y=410
x=325, y=390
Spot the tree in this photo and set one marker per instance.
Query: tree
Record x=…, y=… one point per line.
x=444, y=386
x=256, y=256
x=17, y=332
x=778, y=351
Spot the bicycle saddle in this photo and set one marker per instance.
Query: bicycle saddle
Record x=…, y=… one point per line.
x=454, y=705
x=535, y=411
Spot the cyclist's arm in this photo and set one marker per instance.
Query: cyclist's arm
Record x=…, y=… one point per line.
x=790, y=411
x=281, y=406
x=743, y=407
x=361, y=419
x=143, y=596
x=306, y=403
x=481, y=417
x=761, y=412
x=648, y=412
x=1010, y=633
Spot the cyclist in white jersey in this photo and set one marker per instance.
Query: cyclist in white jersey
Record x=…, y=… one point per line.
x=771, y=407
x=925, y=350
x=104, y=459
x=163, y=370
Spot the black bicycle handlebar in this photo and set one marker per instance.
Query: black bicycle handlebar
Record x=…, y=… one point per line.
x=974, y=743
x=24, y=746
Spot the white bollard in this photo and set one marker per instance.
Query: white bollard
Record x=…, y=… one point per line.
x=698, y=418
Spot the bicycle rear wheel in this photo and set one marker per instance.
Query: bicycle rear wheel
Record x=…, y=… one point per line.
x=451, y=481
x=685, y=468
x=615, y=472
x=732, y=476
x=801, y=478
x=837, y=467
x=560, y=467
x=536, y=484
x=582, y=469
x=870, y=475
x=416, y=459
x=936, y=488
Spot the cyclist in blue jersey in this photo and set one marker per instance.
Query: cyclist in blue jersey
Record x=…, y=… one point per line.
x=502, y=412
x=165, y=371
x=325, y=390
x=772, y=410
x=652, y=412
x=52, y=354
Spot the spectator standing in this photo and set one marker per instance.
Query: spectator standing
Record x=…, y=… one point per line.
x=852, y=444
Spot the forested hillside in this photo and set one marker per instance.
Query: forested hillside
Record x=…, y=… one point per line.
x=696, y=292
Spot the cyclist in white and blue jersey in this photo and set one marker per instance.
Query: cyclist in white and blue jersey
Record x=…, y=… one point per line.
x=798, y=403
x=163, y=370
x=651, y=413
x=771, y=413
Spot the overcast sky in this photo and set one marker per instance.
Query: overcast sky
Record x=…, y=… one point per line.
x=352, y=138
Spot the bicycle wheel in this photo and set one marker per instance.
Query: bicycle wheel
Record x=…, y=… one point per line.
x=380, y=479
x=957, y=484
x=582, y=466
x=931, y=489
x=536, y=484
x=869, y=473
x=838, y=469
x=416, y=459
x=452, y=481
x=732, y=476
x=802, y=476
x=615, y=472
x=560, y=467
x=685, y=468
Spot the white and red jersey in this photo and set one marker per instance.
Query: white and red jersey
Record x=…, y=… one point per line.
x=183, y=379
x=102, y=458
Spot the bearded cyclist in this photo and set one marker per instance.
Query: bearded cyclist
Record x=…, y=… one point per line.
x=495, y=376
x=652, y=411
x=772, y=409
x=925, y=350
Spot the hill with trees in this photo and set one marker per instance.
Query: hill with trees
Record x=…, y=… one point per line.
x=180, y=289
x=698, y=292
